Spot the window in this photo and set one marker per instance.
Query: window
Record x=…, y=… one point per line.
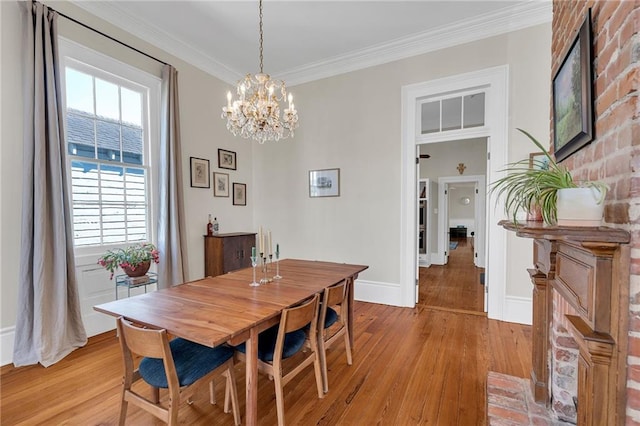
x=451, y=113
x=110, y=124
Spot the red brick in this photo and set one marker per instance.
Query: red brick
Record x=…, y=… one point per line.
x=634, y=346
x=633, y=373
x=629, y=82
x=618, y=165
x=503, y=413
x=633, y=398
x=617, y=213
x=621, y=15
x=631, y=26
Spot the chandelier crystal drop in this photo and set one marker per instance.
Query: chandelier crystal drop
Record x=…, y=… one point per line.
x=256, y=111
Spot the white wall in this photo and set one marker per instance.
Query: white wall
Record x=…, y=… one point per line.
x=445, y=157
x=351, y=122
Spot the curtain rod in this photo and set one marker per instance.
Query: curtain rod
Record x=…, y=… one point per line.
x=107, y=36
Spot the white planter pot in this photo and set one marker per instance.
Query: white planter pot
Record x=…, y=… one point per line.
x=579, y=207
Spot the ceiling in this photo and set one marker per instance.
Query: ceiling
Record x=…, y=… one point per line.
x=305, y=40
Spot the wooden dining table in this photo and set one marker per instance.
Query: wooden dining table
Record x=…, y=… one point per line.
x=226, y=309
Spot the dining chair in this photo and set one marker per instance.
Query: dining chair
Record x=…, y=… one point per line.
x=333, y=324
x=179, y=365
x=283, y=341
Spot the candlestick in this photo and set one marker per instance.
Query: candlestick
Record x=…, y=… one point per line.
x=270, y=245
x=277, y=276
x=254, y=263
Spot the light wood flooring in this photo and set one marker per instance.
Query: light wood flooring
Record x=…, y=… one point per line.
x=455, y=286
x=421, y=366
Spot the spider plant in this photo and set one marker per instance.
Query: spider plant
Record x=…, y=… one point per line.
x=528, y=187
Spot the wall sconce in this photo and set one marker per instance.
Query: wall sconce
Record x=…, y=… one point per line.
x=461, y=167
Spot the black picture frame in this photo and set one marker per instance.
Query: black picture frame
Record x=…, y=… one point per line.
x=199, y=168
x=239, y=194
x=573, y=95
x=227, y=159
x=220, y=184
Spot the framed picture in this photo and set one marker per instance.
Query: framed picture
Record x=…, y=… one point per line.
x=572, y=96
x=220, y=184
x=538, y=161
x=239, y=194
x=226, y=159
x=324, y=183
x=199, y=173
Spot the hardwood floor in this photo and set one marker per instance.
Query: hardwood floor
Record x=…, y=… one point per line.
x=455, y=286
x=422, y=366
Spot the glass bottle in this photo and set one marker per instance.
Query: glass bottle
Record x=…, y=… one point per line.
x=209, y=227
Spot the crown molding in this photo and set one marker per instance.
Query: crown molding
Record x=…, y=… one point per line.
x=114, y=15
x=522, y=15
x=526, y=14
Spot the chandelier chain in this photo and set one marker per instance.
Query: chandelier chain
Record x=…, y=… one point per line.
x=261, y=37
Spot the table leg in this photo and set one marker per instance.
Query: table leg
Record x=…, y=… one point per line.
x=351, y=281
x=251, y=408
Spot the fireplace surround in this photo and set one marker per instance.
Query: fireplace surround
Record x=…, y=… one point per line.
x=580, y=314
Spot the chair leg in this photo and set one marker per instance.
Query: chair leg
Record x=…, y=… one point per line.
x=231, y=392
x=123, y=409
x=173, y=411
x=155, y=395
x=347, y=346
x=277, y=381
x=318, y=369
x=323, y=362
x=212, y=392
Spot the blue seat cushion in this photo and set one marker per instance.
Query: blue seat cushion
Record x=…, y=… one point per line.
x=192, y=360
x=293, y=342
x=330, y=318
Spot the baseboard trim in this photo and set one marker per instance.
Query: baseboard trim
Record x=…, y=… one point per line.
x=7, y=336
x=518, y=310
x=378, y=292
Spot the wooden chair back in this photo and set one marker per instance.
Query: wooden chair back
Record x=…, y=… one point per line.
x=336, y=296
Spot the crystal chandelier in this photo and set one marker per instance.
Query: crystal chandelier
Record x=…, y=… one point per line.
x=256, y=112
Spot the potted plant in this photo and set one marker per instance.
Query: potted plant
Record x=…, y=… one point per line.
x=549, y=186
x=134, y=260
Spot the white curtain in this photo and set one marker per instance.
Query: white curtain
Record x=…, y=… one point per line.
x=49, y=325
x=172, y=245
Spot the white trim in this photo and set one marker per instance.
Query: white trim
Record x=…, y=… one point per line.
x=7, y=337
x=518, y=309
x=519, y=16
x=496, y=81
x=378, y=292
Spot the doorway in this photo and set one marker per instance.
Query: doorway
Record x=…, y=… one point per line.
x=493, y=84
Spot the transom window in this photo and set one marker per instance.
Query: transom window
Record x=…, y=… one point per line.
x=451, y=113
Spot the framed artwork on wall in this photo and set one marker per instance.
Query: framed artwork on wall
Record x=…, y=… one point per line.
x=538, y=161
x=199, y=173
x=239, y=194
x=226, y=159
x=572, y=96
x=220, y=184
x=324, y=183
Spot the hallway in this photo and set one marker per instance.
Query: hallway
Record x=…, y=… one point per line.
x=456, y=286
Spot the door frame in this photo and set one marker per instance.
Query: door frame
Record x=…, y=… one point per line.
x=494, y=82
x=479, y=217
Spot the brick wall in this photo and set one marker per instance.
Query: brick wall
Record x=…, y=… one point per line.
x=564, y=362
x=614, y=154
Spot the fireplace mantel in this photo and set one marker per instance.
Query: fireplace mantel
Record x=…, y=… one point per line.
x=589, y=268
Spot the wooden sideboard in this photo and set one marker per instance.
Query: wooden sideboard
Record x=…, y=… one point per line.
x=227, y=252
x=589, y=268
